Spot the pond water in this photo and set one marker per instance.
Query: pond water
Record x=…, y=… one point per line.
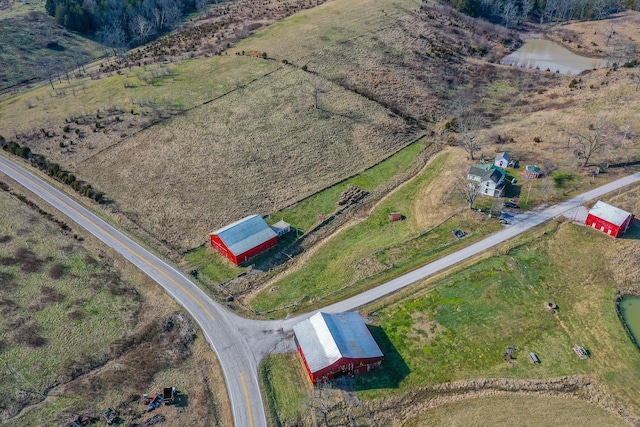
x=630, y=309
x=546, y=54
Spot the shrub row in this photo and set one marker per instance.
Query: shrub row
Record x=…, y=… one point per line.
x=53, y=169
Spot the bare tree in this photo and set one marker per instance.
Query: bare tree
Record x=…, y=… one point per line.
x=470, y=190
x=314, y=88
x=469, y=127
x=591, y=141
x=141, y=28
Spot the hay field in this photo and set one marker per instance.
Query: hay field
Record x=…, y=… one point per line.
x=333, y=22
x=79, y=331
x=182, y=85
x=257, y=149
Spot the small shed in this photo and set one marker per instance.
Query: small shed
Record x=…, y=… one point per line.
x=609, y=219
x=531, y=172
x=534, y=358
x=333, y=345
x=502, y=160
x=395, y=216
x=281, y=228
x=243, y=239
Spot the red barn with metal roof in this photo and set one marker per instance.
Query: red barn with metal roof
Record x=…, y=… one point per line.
x=244, y=239
x=609, y=219
x=333, y=345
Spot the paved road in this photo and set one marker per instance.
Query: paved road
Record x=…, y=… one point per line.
x=219, y=326
x=525, y=222
x=241, y=343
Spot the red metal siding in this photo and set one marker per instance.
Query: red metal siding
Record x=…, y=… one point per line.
x=256, y=250
x=602, y=225
x=219, y=245
x=340, y=368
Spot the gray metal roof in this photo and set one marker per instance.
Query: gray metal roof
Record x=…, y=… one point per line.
x=609, y=213
x=485, y=173
x=245, y=234
x=327, y=338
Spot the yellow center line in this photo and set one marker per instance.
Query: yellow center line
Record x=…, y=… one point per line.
x=246, y=393
x=146, y=261
x=117, y=240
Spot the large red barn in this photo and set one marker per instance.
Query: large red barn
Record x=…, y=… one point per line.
x=244, y=239
x=609, y=219
x=333, y=345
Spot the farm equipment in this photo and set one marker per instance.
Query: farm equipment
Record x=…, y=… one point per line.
x=168, y=393
x=155, y=402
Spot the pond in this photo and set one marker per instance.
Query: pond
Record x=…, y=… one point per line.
x=630, y=310
x=546, y=54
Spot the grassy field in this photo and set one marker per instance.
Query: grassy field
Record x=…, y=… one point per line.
x=331, y=23
x=305, y=214
x=79, y=335
x=34, y=44
x=517, y=411
x=458, y=331
x=374, y=250
x=286, y=389
x=237, y=159
x=185, y=84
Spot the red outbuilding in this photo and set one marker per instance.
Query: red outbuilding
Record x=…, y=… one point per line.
x=609, y=219
x=244, y=239
x=333, y=345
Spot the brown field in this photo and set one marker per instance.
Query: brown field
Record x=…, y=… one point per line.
x=231, y=158
x=261, y=145
x=597, y=38
x=82, y=330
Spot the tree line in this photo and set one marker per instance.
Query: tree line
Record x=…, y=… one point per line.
x=513, y=12
x=120, y=23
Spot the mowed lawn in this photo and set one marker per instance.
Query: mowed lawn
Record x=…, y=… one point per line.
x=457, y=328
x=375, y=249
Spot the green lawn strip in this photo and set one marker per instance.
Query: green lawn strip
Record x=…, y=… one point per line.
x=517, y=410
x=304, y=215
x=210, y=263
x=355, y=253
x=457, y=328
x=286, y=385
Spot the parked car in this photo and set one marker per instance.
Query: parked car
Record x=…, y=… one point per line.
x=511, y=205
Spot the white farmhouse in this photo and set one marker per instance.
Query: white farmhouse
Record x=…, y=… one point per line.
x=489, y=177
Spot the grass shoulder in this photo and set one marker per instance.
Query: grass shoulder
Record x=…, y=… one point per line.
x=457, y=328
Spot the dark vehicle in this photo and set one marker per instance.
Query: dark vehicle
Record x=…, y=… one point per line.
x=511, y=205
